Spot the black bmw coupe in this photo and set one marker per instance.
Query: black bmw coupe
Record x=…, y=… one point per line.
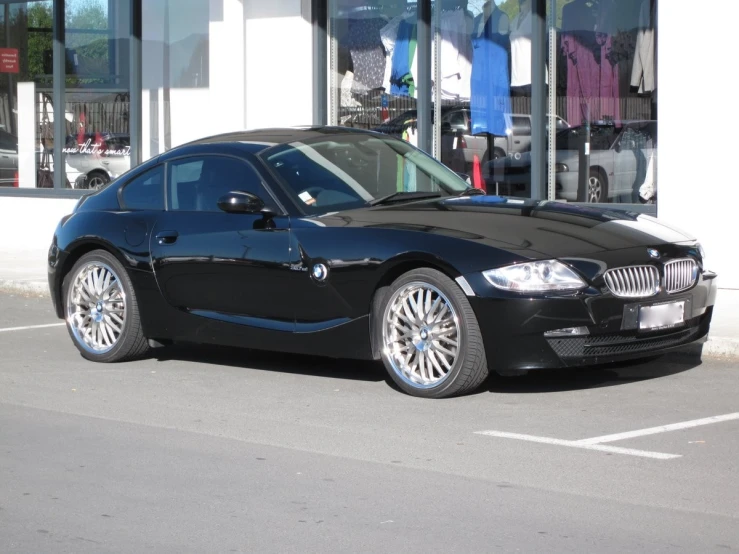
x=353, y=244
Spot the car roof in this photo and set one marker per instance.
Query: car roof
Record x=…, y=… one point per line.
x=276, y=135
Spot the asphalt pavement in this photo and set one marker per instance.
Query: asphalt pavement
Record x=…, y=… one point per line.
x=228, y=450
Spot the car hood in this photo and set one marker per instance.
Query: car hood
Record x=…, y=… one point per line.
x=533, y=229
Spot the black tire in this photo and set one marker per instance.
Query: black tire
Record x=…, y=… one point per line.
x=131, y=343
x=498, y=153
x=469, y=368
x=596, y=180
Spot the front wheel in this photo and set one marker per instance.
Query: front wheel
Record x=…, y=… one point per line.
x=102, y=310
x=597, y=190
x=431, y=341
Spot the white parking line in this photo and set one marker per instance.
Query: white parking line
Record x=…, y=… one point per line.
x=660, y=429
x=596, y=443
x=8, y=329
x=576, y=444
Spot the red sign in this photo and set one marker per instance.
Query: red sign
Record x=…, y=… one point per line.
x=9, y=60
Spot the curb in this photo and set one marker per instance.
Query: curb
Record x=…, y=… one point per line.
x=721, y=347
x=724, y=348
x=25, y=288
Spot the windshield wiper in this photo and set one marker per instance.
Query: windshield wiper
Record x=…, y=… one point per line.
x=403, y=196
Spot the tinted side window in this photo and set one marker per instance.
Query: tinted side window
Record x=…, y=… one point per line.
x=145, y=192
x=521, y=125
x=196, y=183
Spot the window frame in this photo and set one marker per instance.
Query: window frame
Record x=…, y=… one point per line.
x=145, y=170
x=270, y=199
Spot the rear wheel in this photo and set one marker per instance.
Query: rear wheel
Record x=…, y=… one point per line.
x=431, y=341
x=96, y=179
x=102, y=310
x=597, y=190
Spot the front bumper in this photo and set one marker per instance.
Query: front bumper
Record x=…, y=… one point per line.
x=514, y=327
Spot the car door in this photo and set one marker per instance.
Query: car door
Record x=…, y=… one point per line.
x=227, y=266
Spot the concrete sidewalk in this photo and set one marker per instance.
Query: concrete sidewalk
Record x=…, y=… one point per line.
x=25, y=273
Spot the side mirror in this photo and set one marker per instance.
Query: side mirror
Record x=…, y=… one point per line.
x=240, y=202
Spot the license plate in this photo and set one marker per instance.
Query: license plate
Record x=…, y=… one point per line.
x=661, y=316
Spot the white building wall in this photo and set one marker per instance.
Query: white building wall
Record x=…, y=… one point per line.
x=279, y=63
x=697, y=123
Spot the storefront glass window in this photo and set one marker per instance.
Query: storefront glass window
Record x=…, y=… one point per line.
x=374, y=53
x=606, y=90
x=26, y=113
x=482, y=60
x=97, y=92
x=600, y=80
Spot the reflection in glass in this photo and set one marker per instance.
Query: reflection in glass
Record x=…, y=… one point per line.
x=606, y=89
x=26, y=111
x=97, y=96
x=374, y=68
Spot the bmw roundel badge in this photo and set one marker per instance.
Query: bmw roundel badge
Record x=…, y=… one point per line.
x=320, y=272
x=653, y=253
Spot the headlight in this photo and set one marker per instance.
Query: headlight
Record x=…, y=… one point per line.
x=545, y=276
x=702, y=252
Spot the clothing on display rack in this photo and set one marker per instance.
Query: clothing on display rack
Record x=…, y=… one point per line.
x=608, y=92
x=520, y=41
x=366, y=50
x=578, y=45
x=642, y=72
x=402, y=82
x=389, y=36
x=490, y=103
x=592, y=71
x=455, y=56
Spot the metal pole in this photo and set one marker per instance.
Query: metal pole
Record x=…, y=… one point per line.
x=437, y=81
x=538, y=98
x=135, y=94
x=425, y=124
x=552, y=135
x=319, y=18
x=59, y=86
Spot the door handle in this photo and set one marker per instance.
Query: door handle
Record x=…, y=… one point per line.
x=167, y=237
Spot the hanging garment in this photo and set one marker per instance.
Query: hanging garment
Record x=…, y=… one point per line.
x=367, y=52
x=578, y=46
x=388, y=35
x=521, y=29
x=608, y=90
x=455, y=55
x=402, y=82
x=490, y=103
x=642, y=72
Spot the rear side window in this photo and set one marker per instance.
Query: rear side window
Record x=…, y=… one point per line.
x=521, y=126
x=145, y=192
x=197, y=183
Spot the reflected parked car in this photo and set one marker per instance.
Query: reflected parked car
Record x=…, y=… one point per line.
x=619, y=159
x=459, y=146
x=8, y=159
x=352, y=244
x=95, y=159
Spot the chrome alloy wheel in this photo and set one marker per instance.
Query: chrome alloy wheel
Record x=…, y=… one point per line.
x=595, y=189
x=96, y=308
x=420, y=333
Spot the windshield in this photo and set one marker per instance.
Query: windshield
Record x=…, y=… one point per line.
x=350, y=170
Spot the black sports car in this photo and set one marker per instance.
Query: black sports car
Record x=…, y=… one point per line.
x=352, y=244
